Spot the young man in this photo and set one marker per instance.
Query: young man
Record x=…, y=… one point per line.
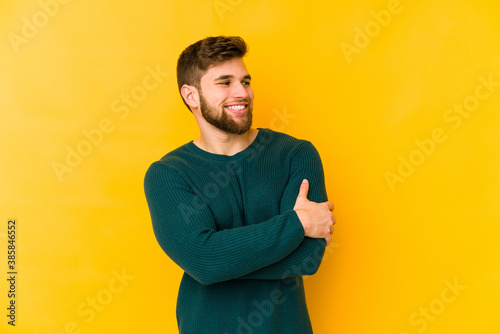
x=243, y=211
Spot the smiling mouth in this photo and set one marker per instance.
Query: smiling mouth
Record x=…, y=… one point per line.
x=237, y=108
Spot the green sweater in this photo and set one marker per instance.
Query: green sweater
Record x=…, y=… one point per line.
x=229, y=223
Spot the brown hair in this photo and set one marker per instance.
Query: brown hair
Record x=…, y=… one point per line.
x=197, y=58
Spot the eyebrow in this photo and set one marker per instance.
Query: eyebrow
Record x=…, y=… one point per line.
x=229, y=76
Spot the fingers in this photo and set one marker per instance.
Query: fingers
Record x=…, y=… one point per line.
x=332, y=229
x=328, y=240
x=329, y=205
x=304, y=189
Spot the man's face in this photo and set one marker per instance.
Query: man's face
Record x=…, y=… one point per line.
x=226, y=98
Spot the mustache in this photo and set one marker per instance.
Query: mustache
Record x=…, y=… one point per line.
x=238, y=101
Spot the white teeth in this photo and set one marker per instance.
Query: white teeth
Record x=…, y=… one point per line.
x=240, y=107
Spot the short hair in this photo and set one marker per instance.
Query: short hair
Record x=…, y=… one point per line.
x=197, y=58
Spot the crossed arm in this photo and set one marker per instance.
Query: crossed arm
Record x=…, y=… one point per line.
x=268, y=250
x=314, y=212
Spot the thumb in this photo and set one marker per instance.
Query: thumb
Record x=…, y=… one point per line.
x=304, y=189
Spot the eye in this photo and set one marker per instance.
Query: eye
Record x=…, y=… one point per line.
x=225, y=83
x=246, y=83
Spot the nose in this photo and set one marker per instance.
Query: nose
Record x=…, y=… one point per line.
x=240, y=91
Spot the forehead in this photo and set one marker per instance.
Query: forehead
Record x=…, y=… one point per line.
x=234, y=67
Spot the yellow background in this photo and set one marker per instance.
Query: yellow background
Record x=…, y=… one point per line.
x=396, y=247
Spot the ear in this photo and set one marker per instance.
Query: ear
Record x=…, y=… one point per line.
x=190, y=95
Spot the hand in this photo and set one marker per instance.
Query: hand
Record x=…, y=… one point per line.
x=316, y=218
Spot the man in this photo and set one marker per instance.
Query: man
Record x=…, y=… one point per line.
x=243, y=211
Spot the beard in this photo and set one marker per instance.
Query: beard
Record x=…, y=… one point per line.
x=223, y=121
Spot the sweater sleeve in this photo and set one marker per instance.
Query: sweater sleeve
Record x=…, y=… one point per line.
x=307, y=257
x=185, y=229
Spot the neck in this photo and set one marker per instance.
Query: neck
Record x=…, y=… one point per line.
x=220, y=142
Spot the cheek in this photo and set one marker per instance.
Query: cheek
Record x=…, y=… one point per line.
x=214, y=97
x=218, y=96
x=250, y=93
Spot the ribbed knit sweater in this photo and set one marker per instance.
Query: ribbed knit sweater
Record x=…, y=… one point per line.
x=229, y=223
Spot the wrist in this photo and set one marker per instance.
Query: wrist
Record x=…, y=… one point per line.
x=301, y=215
